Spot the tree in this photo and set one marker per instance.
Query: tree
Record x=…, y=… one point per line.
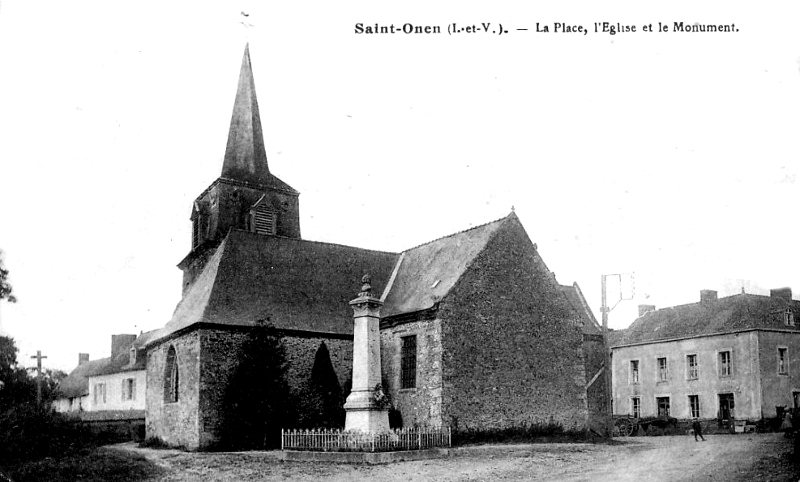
x=6, y=291
x=322, y=404
x=256, y=402
x=16, y=386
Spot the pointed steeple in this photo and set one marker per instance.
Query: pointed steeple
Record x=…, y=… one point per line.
x=245, y=155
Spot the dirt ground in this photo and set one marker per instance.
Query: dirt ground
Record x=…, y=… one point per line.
x=752, y=457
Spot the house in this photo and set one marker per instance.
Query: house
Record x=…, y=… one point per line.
x=110, y=388
x=476, y=333
x=720, y=358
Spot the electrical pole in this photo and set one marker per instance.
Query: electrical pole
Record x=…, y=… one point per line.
x=38, y=377
x=604, y=311
x=607, y=360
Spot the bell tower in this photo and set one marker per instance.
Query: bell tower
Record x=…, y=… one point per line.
x=246, y=195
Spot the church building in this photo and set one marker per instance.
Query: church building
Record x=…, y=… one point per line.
x=476, y=333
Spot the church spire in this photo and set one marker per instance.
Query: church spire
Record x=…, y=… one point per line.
x=245, y=155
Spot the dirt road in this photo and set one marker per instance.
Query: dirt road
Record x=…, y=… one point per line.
x=756, y=457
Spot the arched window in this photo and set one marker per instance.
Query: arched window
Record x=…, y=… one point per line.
x=171, y=376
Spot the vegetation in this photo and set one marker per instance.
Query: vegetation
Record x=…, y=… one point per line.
x=321, y=400
x=526, y=433
x=88, y=465
x=255, y=412
x=6, y=292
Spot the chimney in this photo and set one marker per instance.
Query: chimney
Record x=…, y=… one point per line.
x=121, y=344
x=781, y=293
x=708, y=295
x=83, y=358
x=646, y=309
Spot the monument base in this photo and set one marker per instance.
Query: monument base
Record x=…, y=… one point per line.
x=363, y=414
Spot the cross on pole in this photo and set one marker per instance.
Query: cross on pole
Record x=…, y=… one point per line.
x=38, y=377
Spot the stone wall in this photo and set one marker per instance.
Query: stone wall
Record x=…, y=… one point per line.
x=597, y=396
x=512, y=346
x=420, y=406
x=219, y=360
x=175, y=423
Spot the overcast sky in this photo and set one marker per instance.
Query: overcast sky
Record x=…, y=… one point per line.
x=671, y=155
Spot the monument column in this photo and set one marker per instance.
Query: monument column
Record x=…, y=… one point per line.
x=363, y=412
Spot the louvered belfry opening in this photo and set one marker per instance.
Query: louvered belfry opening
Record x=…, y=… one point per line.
x=264, y=220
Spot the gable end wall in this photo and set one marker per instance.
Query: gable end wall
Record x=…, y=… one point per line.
x=512, y=347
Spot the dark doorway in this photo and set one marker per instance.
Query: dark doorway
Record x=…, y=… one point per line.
x=726, y=406
x=663, y=406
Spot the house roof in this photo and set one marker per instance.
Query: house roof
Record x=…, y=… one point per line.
x=76, y=384
x=575, y=297
x=426, y=273
x=723, y=315
x=297, y=284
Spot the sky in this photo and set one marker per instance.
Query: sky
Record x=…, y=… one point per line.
x=670, y=157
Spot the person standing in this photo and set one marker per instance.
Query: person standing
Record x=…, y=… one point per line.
x=697, y=428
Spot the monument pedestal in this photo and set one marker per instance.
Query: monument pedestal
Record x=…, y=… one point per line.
x=363, y=413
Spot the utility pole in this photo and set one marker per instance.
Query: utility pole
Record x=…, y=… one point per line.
x=607, y=359
x=38, y=377
x=604, y=311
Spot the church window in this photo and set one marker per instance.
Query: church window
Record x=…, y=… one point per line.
x=133, y=355
x=129, y=389
x=783, y=360
x=408, y=362
x=195, y=231
x=171, y=377
x=788, y=318
x=264, y=220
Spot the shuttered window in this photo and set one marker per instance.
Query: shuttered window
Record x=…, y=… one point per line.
x=264, y=220
x=408, y=362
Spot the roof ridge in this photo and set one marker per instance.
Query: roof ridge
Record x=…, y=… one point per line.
x=459, y=232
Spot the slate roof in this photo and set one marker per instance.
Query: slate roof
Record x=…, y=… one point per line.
x=297, y=284
x=724, y=315
x=306, y=285
x=578, y=302
x=427, y=272
x=76, y=384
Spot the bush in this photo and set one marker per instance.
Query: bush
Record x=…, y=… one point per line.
x=28, y=433
x=532, y=433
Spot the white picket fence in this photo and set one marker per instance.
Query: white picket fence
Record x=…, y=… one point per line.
x=342, y=441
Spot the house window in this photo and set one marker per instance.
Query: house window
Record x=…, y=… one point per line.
x=725, y=368
x=171, y=376
x=663, y=406
x=408, y=362
x=99, y=393
x=264, y=220
x=636, y=407
x=694, y=406
x=691, y=367
x=634, y=372
x=128, y=389
x=663, y=374
x=783, y=361
x=788, y=317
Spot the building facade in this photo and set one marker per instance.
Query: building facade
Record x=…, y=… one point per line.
x=725, y=359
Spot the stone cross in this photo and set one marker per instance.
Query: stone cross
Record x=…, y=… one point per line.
x=363, y=412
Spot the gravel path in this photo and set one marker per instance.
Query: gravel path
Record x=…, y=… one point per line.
x=752, y=457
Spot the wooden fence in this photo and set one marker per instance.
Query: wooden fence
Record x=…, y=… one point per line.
x=341, y=441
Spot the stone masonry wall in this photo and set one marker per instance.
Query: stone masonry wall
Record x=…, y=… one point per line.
x=512, y=347
x=219, y=360
x=175, y=423
x=420, y=406
x=596, y=395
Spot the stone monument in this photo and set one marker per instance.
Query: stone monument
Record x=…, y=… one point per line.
x=364, y=411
